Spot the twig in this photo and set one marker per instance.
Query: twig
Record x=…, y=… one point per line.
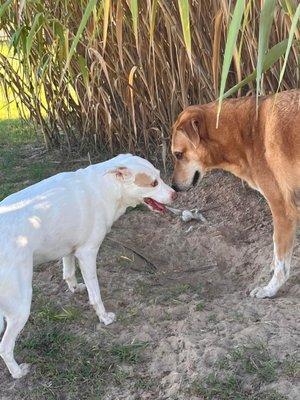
x=153, y=266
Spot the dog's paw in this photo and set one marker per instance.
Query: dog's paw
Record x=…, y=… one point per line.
x=76, y=287
x=22, y=371
x=108, y=318
x=80, y=287
x=261, y=292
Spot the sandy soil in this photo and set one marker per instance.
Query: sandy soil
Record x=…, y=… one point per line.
x=216, y=263
x=193, y=315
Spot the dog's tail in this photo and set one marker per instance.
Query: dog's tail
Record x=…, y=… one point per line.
x=1, y=323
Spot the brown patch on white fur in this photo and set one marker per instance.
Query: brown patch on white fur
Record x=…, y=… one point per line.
x=143, y=180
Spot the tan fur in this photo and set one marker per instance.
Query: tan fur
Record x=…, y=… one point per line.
x=143, y=180
x=262, y=149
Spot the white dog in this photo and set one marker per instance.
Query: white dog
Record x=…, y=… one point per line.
x=67, y=215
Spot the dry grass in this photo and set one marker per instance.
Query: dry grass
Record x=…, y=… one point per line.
x=110, y=76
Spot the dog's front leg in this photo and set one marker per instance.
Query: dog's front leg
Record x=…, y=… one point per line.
x=87, y=262
x=284, y=234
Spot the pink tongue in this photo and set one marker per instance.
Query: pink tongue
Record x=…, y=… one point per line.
x=155, y=204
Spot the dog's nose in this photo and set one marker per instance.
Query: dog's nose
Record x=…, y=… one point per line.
x=174, y=196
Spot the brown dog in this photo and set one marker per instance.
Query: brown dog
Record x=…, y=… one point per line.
x=262, y=148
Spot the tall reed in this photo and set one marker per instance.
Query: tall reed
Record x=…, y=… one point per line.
x=113, y=75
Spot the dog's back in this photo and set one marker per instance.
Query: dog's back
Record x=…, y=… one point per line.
x=32, y=218
x=281, y=115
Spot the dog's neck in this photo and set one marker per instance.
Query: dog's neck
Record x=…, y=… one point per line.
x=236, y=140
x=118, y=202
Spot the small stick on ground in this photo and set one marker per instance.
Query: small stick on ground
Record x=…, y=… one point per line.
x=150, y=263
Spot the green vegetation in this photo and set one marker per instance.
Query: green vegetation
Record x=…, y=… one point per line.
x=172, y=293
x=291, y=367
x=130, y=353
x=212, y=318
x=16, y=169
x=50, y=312
x=14, y=132
x=242, y=373
x=145, y=383
x=200, y=306
x=231, y=388
x=66, y=360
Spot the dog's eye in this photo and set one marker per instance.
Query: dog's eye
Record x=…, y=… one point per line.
x=154, y=183
x=178, y=155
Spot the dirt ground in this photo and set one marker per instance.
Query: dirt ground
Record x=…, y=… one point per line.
x=186, y=331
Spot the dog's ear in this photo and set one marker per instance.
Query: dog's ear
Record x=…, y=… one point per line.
x=193, y=127
x=122, y=174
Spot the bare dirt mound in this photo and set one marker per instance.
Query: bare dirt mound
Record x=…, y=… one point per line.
x=187, y=331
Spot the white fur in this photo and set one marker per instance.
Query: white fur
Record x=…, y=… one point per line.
x=1, y=323
x=280, y=276
x=66, y=216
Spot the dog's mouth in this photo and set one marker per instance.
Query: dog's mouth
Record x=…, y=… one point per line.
x=154, y=205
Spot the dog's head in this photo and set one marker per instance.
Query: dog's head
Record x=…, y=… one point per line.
x=141, y=183
x=192, y=148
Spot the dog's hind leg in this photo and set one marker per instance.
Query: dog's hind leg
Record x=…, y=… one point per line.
x=69, y=268
x=284, y=234
x=16, y=309
x=87, y=263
